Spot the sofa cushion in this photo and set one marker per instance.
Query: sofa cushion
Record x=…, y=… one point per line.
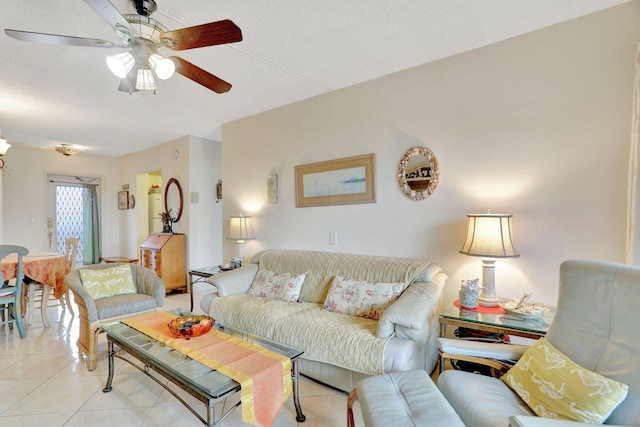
x=108, y=282
x=339, y=339
x=321, y=267
x=361, y=298
x=555, y=387
x=282, y=286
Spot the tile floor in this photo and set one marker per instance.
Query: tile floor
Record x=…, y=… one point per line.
x=44, y=383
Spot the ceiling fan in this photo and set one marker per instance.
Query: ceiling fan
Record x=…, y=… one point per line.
x=144, y=38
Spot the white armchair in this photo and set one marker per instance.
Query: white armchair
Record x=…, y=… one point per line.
x=595, y=326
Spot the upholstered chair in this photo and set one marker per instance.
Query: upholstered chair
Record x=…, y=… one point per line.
x=93, y=314
x=595, y=326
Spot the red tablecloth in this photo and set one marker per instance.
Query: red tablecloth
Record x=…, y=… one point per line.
x=48, y=269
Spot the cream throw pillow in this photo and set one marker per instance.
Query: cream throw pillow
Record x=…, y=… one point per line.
x=361, y=298
x=555, y=387
x=108, y=282
x=282, y=286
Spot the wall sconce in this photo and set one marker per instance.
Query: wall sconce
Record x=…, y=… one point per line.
x=4, y=146
x=489, y=236
x=240, y=229
x=66, y=149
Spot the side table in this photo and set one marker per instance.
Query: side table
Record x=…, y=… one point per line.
x=201, y=274
x=493, y=319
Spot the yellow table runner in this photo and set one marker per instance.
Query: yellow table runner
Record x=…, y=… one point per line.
x=264, y=376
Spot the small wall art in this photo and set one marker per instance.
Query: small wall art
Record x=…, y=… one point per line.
x=123, y=200
x=272, y=189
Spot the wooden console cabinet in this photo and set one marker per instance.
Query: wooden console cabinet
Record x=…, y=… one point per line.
x=164, y=253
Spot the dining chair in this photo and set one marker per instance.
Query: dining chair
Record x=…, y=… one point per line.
x=11, y=296
x=35, y=288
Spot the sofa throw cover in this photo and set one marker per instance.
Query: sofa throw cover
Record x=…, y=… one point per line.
x=361, y=298
x=280, y=286
x=553, y=386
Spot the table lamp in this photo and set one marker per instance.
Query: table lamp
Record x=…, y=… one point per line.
x=240, y=229
x=489, y=237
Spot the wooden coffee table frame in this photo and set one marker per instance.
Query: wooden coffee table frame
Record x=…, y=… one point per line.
x=210, y=400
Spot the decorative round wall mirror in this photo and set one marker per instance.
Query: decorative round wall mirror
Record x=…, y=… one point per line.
x=418, y=173
x=173, y=199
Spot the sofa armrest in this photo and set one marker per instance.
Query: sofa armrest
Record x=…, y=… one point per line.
x=81, y=296
x=411, y=310
x=528, y=421
x=233, y=282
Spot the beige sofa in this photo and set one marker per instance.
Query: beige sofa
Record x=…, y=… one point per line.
x=340, y=349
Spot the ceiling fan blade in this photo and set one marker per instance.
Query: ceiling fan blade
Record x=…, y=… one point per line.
x=201, y=76
x=112, y=16
x=211, y=34
x=29, y=36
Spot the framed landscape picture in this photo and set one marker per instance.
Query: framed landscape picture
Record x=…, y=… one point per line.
x=336, y=182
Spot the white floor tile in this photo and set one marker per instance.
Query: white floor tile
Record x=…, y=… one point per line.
x=51, y=386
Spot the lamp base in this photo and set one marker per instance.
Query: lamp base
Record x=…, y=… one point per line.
x=489, y=301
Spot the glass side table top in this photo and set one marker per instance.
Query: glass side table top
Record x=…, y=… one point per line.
x=509, y=321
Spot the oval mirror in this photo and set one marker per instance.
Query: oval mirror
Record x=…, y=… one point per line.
x=418, y=173
x=173, y=199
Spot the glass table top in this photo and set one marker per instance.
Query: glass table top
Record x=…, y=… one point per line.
x=181, y=366
x=536, y=325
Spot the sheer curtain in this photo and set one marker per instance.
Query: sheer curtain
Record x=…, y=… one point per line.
x=633, y=233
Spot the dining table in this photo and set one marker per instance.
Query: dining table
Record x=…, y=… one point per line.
x=48, y=268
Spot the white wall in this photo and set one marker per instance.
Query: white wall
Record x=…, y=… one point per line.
x=24, y=193
x=195, y=163
x=537, y=126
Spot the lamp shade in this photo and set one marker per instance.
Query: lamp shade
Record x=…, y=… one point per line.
x=489, y=235
x=120, y=64
x=4, y=146
x=240, y=228
x=145, y=80
x=164, y=67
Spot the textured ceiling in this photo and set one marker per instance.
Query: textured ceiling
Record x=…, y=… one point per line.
x=292, y=50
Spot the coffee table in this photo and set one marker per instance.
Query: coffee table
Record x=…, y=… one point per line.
x=200, y=381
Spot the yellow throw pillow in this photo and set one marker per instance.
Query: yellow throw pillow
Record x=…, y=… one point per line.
x=555, y=387
x=108, y=282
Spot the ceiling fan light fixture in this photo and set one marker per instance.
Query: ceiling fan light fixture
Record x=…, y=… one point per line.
x=147, y=28
x=121, y=63
x=145, y=80
x=164, y=67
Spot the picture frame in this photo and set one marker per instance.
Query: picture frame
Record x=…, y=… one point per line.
x=349, y=180
x=123, y=200
x=272, y=189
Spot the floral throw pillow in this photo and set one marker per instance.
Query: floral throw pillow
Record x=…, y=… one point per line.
x=282, y=286
x=361, y=298
x=555, y=387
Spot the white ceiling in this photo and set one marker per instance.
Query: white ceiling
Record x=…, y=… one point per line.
x=292, y=50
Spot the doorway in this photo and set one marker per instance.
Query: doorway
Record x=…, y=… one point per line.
x=74, y=212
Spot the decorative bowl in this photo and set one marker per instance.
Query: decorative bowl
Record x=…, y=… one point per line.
x=190, y=326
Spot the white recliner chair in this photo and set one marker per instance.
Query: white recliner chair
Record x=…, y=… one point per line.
x=596, y=326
